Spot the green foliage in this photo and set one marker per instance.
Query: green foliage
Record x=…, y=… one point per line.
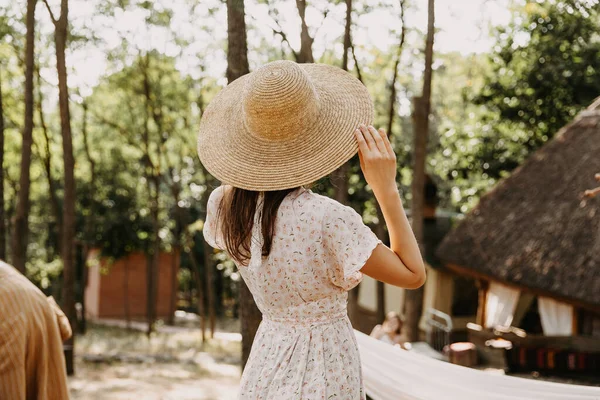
x=546, y=68
x=489, y=112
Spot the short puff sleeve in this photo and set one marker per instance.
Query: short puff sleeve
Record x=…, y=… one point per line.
x=348, y=244
x=212, y=229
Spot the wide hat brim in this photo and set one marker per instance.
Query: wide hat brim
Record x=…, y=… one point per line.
x=235, y=156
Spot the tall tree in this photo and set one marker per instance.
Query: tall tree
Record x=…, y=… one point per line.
x=61, y=32
x=90, y=221
x=188, y=247
x=210, y=275
x=380, y=228
x=45, y=157
x=21, y=219
x=339, y=178
x=398, y=56
x=422, y=109
x=347, y=37
x=237, y=46
x=237, y=65
x=305, y=55
x=2, y=222
x=153, y=179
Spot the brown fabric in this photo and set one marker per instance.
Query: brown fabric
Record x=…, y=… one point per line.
x=63, y=322
x=32, y=364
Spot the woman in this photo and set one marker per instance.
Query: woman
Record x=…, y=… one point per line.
x=266, y=136
x=391, y=330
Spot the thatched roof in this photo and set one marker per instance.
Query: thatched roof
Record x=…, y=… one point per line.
x=535, y=229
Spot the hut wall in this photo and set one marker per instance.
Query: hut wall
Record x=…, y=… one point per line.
x=112, y=288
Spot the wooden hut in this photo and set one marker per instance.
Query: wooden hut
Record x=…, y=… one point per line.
x=118, y=290
x=533, y=242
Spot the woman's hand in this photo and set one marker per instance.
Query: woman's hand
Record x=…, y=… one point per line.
x=377, y=159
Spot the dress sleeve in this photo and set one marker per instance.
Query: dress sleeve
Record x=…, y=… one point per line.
x=212, y=229
x=348, y=244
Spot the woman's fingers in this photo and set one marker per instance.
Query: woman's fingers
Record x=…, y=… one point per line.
x=372, y=142
x=368, y=138
x=378, y=141
x=363, y=147
x=361, y=161
x=386, y=140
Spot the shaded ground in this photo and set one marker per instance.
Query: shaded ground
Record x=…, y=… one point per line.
x=115, y=363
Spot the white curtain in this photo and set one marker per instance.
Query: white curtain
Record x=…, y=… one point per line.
x=557, y=317
x=390, y=373
x=500, y=305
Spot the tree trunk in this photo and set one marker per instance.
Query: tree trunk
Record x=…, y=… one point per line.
x=250, y=318
x=153, y=192
x=153, y=259
x=174, y=286
x=347, y=38
x=422, y=108
x=2, y=222
x=209, y=268
x=305, y=55
x=356, y=66
x=46, y=159
x=21, y=220
x=126, y=296
x=382, y=234
x=199, y=293
x=339, y=178
x=237, y=65
x=91, y=219
x=177, y=248
x=392, y=102
x=391, y=115
x=61, y=27
x=237, y=50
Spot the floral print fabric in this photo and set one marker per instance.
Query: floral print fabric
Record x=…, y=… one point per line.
x=305, y=347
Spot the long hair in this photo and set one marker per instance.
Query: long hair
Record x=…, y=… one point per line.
x=236, y=218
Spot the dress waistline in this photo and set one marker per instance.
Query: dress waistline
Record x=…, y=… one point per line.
x=327, y=319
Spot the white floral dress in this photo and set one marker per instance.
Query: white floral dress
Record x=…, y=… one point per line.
x=305, y=347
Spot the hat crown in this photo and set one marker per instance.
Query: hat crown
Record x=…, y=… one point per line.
x=279, y=101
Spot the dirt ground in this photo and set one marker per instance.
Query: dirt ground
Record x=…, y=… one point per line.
x=116, y=363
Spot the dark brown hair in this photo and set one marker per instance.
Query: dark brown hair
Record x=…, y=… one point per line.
x=236, y=218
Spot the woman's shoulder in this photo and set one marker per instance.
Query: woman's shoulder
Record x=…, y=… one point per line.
x=221, y=190
x=330, y=207
x=214, y=199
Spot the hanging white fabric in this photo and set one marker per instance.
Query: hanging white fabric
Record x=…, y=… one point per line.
x=556, y=317
x=500, y=305
x=390, y=373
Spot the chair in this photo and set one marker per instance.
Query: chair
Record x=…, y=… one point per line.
x=438, y=326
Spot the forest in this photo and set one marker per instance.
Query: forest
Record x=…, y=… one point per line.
x=101, y=100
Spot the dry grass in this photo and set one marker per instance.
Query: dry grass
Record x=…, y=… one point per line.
x=116, y=363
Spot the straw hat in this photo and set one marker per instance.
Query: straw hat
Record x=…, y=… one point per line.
x=283, y=125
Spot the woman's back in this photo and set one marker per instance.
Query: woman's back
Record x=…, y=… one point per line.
x=318, y=248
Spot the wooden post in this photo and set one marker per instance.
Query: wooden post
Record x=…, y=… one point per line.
x=575, y=322
x=483, y=288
